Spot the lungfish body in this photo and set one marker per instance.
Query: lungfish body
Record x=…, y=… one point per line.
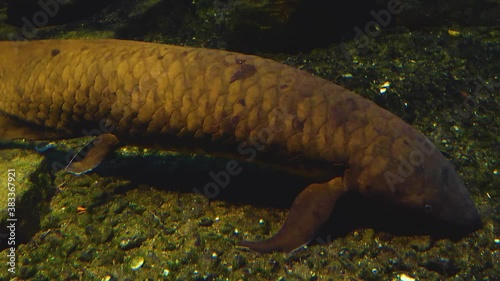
x=225, y=103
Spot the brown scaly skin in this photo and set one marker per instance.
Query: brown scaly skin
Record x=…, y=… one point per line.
x=224, y=103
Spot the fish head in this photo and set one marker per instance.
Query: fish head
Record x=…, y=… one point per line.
x=430, y=186
x=445, y=196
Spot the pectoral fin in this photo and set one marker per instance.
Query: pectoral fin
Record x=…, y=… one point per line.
x=98, y=149
x=309, y=212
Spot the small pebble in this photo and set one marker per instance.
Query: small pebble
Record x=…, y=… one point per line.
x=136, y=263
x=108, y=278
x=128, y=243
x=404, y=277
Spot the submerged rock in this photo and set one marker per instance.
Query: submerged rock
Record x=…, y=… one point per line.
x=25, y=180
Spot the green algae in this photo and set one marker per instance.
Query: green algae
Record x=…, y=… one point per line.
x=30, y=186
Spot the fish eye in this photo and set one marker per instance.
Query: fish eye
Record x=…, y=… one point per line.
x=428, y=208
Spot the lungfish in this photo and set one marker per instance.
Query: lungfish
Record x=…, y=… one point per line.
x=224, y=103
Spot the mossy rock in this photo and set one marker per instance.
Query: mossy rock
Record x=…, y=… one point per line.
x=25, y=178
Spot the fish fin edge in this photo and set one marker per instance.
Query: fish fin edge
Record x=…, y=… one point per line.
x=309, y=212
x=98, y=149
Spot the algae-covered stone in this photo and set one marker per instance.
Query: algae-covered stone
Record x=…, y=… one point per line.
x=24, y=196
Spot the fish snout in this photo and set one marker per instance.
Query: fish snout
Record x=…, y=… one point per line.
x=454, y=203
